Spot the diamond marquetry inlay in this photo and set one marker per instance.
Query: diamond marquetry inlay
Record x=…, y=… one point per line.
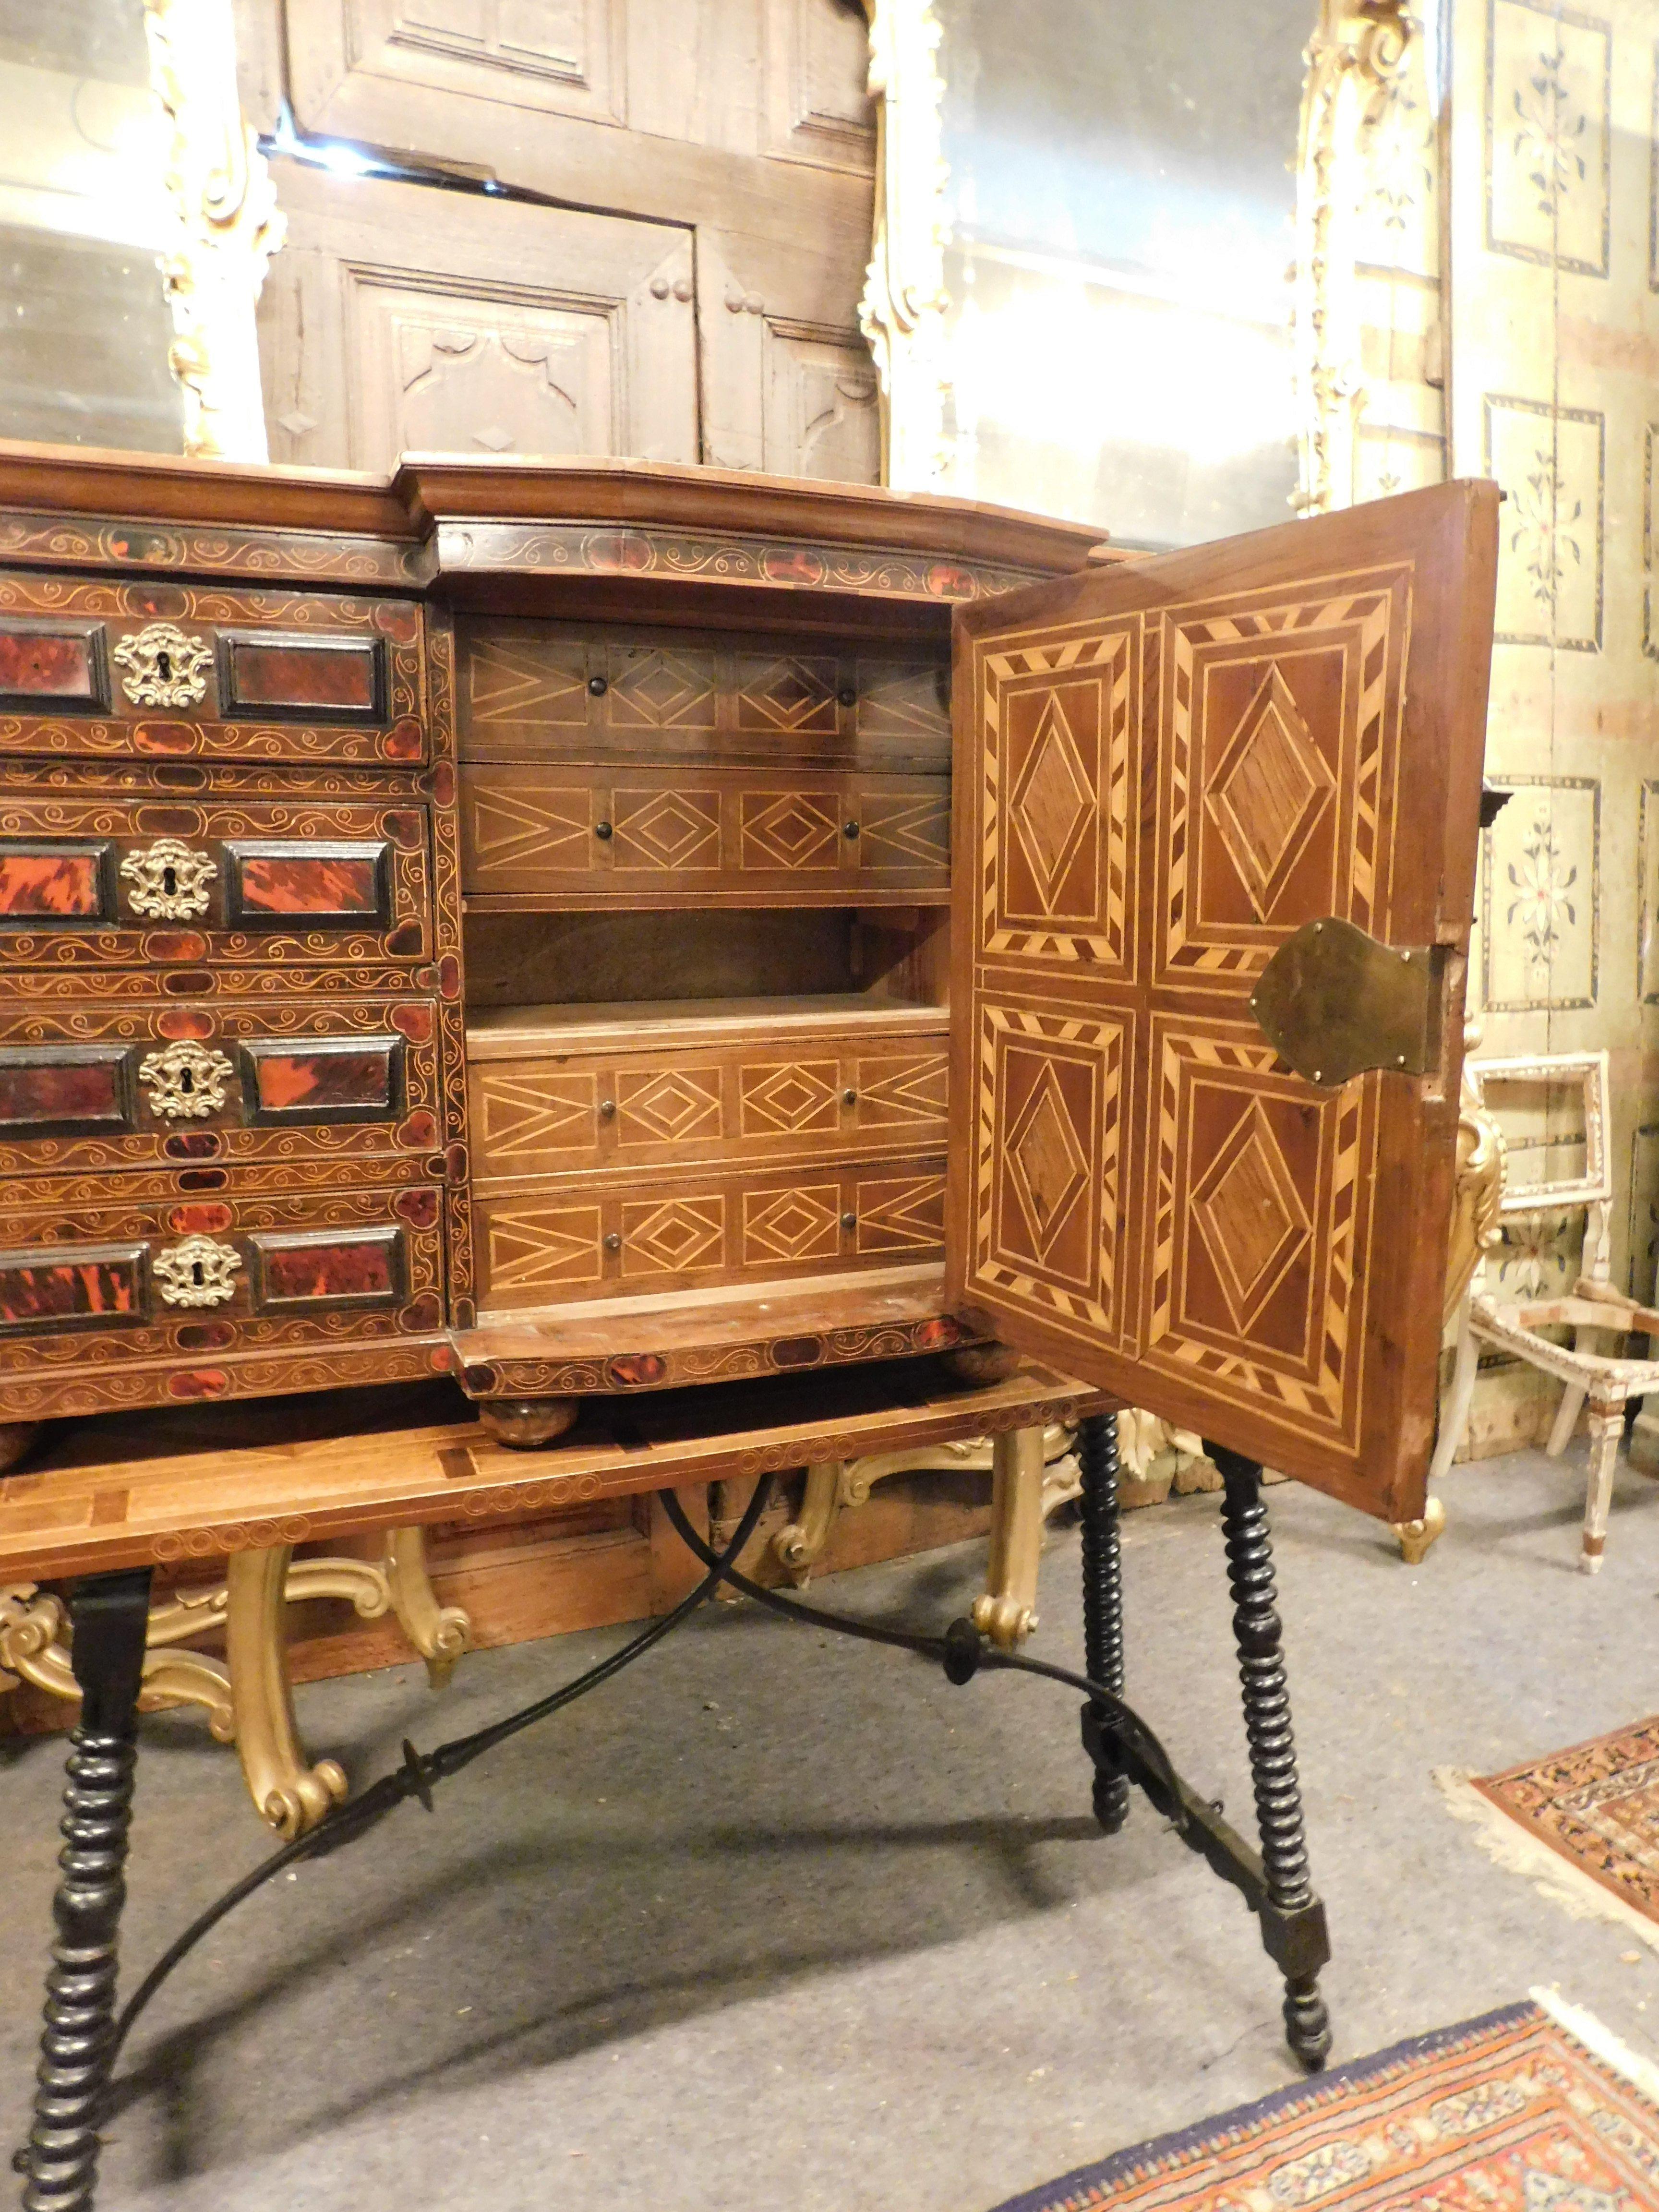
x=1270, y=788
x=678, y=1234
x=789, y=1099
x=670, y=831
x=660, y=689
x=1051, y=803
x=792, y=832
x=787, y=693
x=670, y=1106
x=1250, y=1215
x=1047, y=1162
x=792, y=1225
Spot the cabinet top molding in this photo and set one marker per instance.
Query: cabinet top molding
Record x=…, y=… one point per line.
x=437, y=513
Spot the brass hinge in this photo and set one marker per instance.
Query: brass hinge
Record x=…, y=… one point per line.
x=1333, y=1002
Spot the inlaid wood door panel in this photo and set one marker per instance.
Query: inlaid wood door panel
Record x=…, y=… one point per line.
x=127, y=882
x=110, y=669
x=1176, y=766
x=535, y=837
x=219, y=1088
x=398, y=319
x=554, y=1243
x=553, y=1113
x=147, y=1279
x=540, y=691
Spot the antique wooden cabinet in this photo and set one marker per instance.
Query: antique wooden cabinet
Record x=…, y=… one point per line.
x=500, y=921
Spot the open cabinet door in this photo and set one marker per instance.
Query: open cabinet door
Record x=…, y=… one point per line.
x=1164, y=768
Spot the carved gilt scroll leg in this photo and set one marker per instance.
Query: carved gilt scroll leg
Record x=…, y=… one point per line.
x=441, y=1633
x=1007, y=1611
x=1102, y=1589
x=800, y=1546
x=290, y=1796
x=1416, y=1537
x=110, y=1615
x=1607, y=1427
x=1257, y=1632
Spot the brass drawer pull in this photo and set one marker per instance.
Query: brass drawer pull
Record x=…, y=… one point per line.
x=598, y=685
x=849, y=830
x=163, y=667
x=607, y=1109
x=197, y=1273
x=602, y=829
x=168, y=882
x=849, y=1221
x=849, y=1097
x=613, y=1242
x=186, y=1082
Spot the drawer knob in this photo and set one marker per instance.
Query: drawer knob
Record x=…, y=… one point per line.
x=849, y=1221
x=185, y=1082
x=168, y=882
x=613, y=1242
x=164, y=668
x=598, y=685
x=607, y=1108
x=602, y=829
x=849, y=828
x=849, y=1097
x=197, y=1273
x=846, y=697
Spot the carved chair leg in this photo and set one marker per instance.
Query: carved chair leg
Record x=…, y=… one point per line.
x=1566, y=1414
x=290, y=1794
x=800, y=1546
x=441, y=1633
x=1102, y=1589
x=1607, y=1427
x=1454, y=1413
x=110, y=1615
x=1007, y=1611
x=1257, y=1632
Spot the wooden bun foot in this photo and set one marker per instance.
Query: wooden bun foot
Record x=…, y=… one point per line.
x=982, y=1363
x=524, y=1422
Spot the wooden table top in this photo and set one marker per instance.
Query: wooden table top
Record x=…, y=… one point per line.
x=137, y=1489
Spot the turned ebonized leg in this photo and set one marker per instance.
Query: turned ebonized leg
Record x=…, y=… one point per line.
x=1102, y=1589
x=110, y=1616
x=1267, y=1725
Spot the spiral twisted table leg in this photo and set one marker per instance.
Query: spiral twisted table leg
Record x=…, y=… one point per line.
x=110, y=1615
x=1257, y=1632
x=1103, y=1589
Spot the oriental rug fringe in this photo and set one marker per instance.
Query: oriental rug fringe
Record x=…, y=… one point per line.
x=1537, y=2108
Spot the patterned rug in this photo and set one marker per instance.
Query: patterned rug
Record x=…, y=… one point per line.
x=1597, y=1805
x=1508, y=2113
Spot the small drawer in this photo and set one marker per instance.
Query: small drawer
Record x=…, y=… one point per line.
x=555, y=1244
x=550, y=837
x=141, y=669
x=552, y=1113
x=202, y=1086
x=141, y=1279
x=115, y=881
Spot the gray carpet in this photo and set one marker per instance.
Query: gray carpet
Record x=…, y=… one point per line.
x=781, y=1920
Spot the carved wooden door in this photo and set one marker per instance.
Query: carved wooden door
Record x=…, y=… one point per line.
x=1165, y=768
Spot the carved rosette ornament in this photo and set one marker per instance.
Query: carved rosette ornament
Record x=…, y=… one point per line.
x=197, y=1273
x=164, y=668
x=185, y=1082
x=168, y=882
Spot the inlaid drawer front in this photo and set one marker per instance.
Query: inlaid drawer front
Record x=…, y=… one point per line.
x=552, y=1115
x=538, y=691
x=561, y=1243
x=130, y=1281
x=110, y=670
x=123, y=1087
x=118, y=881
x=549, y=836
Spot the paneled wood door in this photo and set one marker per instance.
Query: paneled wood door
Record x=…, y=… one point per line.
x=746, y=123
x=401, y=318
x=1164, y=770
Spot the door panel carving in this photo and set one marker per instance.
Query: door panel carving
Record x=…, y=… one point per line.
x=1181, y=763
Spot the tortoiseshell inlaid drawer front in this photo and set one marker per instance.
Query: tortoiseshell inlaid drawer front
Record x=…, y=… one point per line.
x=549, y=1113
x=552, y=692
x=152, y=1281
x=100, y=1087
x=555, y=1244
x=120, y=882
x=92, y=670
x=546, y=836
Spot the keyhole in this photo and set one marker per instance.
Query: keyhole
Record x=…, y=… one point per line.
x=164, y=663
x=195, y=1274
x=186, y=1081
x=170, y=881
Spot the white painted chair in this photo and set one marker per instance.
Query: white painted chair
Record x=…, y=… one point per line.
x=1593, y=1311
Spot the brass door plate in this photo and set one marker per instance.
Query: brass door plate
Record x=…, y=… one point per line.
x=1332, y=1003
